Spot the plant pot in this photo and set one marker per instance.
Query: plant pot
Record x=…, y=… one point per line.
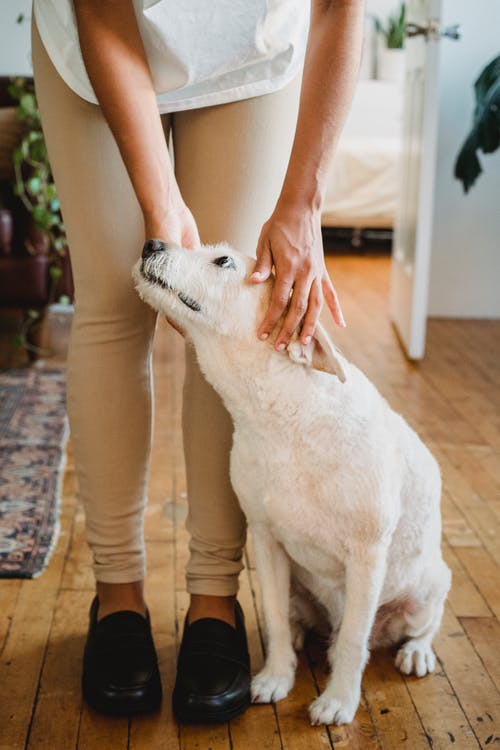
x=390, y=64
x=10, y=133
x=56, y=330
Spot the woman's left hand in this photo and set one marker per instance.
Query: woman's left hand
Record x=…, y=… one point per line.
x=291, y=241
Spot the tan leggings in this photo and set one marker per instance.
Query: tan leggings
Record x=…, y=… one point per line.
x=230, y=161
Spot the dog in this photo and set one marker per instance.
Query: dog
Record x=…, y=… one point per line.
x=340, y=494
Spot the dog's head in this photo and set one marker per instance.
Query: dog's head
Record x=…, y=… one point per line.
x=207, y=292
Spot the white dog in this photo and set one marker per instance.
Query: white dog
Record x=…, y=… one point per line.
x=339, y=492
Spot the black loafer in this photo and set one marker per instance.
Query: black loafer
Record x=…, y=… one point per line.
x=120, y=666
x=213, y=671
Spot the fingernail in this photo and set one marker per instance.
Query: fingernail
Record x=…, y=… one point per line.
x=280, y=347
x=307, y=340
x=263, y=336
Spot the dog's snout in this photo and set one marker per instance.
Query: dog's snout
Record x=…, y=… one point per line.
x=153, y=246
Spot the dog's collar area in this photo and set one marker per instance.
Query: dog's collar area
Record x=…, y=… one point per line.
x=184, y=298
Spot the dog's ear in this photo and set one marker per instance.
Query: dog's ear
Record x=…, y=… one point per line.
x=320, y=353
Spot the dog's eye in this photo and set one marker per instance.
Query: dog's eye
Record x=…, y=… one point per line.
x=225, y=261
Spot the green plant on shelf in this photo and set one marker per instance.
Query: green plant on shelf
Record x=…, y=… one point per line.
x=393, y=30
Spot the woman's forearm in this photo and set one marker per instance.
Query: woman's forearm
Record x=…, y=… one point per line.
x=330, y=73
x=117, y=67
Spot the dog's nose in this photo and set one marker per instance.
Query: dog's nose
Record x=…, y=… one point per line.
x=153, y=246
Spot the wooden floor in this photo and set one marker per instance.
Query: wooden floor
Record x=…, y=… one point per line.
x=453, y=400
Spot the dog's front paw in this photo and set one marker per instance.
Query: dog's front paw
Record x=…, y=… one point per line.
x=415, y=657
x=330, y=710
x=267, y=687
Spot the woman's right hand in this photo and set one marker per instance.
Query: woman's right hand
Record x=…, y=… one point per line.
x=174, y=224
x=177, y=226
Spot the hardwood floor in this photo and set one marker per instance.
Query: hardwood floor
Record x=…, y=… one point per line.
x=452, y=399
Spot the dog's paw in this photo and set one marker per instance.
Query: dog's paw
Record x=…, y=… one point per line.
x=330, y=710
x=267, y=687
x=415, y=657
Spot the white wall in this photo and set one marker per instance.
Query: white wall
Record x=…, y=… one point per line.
x=15, y=45
x=465, y=263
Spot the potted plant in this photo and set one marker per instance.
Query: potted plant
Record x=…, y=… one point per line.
x=35, y=188
x=390, y=47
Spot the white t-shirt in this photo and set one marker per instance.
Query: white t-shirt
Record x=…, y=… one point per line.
x=201, y=52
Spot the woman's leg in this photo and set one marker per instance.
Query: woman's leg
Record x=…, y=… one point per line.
x=109, y=377
x=230, y=161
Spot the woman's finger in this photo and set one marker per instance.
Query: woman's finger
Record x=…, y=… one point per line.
x=297, y=310
x=191, y=238
x=332, y=301
x=264, y=264
x=313, y=312
x=279, y=300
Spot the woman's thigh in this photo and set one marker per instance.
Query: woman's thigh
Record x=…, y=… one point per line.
x=230, y=162
x=101, y=213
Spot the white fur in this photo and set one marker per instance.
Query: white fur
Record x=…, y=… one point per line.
x=341, y=495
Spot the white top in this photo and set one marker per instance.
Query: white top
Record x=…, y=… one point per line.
x=201, y=52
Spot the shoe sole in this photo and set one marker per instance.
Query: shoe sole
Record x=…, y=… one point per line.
x=210, y=717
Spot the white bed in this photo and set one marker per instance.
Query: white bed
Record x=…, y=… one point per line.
x=362, y=183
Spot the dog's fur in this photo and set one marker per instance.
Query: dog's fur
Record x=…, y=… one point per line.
x=340, y=494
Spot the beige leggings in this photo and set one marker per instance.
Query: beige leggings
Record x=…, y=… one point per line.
x=230, y=161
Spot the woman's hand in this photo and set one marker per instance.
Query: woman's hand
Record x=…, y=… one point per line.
x=291, y=242
x=175, y=224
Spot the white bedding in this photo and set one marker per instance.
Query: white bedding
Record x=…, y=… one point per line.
x=362, y=184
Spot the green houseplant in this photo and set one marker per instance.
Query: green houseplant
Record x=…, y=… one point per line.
x=485, y=132
x=390, y=46
x=34, y=186
x=393, y=31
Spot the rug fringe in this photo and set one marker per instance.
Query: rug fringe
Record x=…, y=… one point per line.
x=61, y=468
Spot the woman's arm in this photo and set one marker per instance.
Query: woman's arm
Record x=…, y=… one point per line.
x=291, y=239
x=118, y=69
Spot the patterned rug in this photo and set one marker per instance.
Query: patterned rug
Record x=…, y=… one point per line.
x=33, y=434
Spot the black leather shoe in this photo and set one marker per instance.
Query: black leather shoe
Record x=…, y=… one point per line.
x=120, y=667
x=213, y=671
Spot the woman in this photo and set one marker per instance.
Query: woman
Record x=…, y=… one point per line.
x=252, y=140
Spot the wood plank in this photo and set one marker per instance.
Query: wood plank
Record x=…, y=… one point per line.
x=57, y=714
x=473, y=686
x=100, y=731
x=396, y=720
x=485, y=573
x=476, y=511
x=9, y=592
x=445, y=723
x=464, y=597
x=78, y=574
x=484, y=632
x=24, y=651
x=456, y=529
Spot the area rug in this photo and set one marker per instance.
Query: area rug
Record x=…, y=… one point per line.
x=33, y=435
